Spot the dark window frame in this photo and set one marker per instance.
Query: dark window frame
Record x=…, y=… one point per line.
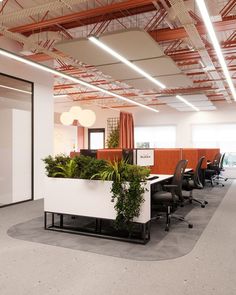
x=96, y=130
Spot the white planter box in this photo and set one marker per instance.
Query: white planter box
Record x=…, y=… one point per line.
x=86, y=198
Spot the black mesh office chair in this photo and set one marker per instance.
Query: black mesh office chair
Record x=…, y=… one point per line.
x=169, y=198
x=213, y=170
x=192, y=181
x=220, y=177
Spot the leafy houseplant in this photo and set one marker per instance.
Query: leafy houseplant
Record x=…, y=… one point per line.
x=127, y=190
x=79, y=167
x=113, y=139
x=127, y=181
x=53, y=164
x=67, y=170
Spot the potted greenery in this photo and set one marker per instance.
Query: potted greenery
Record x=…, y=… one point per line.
x=113, y=138
x=86, y=186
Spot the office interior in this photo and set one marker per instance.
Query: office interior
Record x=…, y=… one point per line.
x=143, y=86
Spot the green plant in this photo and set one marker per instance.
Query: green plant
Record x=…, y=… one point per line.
x=52, y=164
x=87, y=166
x=127, y=190
x=78, y=167
x=67, y=170
x=113, y=139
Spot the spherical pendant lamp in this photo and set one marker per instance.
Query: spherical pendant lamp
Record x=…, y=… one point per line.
x=75, y=111
x=87, y=118
x=66, y=118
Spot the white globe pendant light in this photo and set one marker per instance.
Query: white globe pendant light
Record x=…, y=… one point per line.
x=66, y=118
x=87, y=118
x=75, y=111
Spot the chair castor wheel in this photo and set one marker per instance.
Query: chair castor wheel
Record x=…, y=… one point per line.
x=203, y=206
x=190, y=225
x=205, y=202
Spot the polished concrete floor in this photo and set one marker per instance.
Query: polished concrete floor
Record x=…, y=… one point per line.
x=33, y=268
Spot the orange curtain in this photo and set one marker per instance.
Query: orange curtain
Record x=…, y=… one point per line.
x=126, y=130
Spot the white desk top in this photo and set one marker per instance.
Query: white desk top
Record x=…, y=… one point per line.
x=161, y=177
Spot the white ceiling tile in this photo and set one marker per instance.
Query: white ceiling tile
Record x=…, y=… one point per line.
x=186, y=109
x=119, y=71
x=170, y=82
x=195, y=97
x=158, y=66
x=127, y=43
x=86, y=52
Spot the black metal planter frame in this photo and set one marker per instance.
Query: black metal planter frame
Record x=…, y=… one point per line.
x=142, y=238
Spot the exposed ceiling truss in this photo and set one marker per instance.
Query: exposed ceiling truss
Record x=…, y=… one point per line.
x=175, y=25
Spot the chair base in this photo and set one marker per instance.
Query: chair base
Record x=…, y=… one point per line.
x=177, y=217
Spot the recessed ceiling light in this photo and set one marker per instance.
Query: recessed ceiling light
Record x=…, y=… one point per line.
x=187, y=103
x=71, y=78
x=121, y=58
x=211, y=32
x=15, y=89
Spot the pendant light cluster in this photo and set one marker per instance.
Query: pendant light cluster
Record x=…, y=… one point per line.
x=86, y=118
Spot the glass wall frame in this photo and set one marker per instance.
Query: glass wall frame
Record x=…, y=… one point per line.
x=31, y=153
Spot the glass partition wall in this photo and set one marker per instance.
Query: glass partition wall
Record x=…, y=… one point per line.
x=16, y=140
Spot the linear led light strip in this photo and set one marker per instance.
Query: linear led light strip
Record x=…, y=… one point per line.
x=134, y=67
x=187, y=103
x=15, y=89
x=125, y=61
x=207, y=20
x=70, y=78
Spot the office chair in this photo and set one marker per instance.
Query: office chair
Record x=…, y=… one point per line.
x=213, y=170
x=171, y=197
x=192, y=181
x=221, y=166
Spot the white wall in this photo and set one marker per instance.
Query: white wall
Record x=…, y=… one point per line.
x=65, y=139
x=225, y=113
x=6, y=156
x=43, y=110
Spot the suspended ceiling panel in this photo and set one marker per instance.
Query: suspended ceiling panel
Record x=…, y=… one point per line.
x=134, y=45
x=190, y=98
x=158, y=66
x=127, y=43
x=119, y=71
x=86, y=52
x=188, y=109
x=174, y=81
x=155, y=67
x=196, y=104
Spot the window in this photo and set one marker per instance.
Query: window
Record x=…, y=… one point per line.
x=96, y=138
x=217, y=135
x=155, y=137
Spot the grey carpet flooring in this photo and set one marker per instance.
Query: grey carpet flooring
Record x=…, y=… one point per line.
x=179, y=241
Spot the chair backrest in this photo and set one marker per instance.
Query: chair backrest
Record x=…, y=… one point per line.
x=216, y=161
x=197, y=173
x=222, y=162
x=178, y=177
